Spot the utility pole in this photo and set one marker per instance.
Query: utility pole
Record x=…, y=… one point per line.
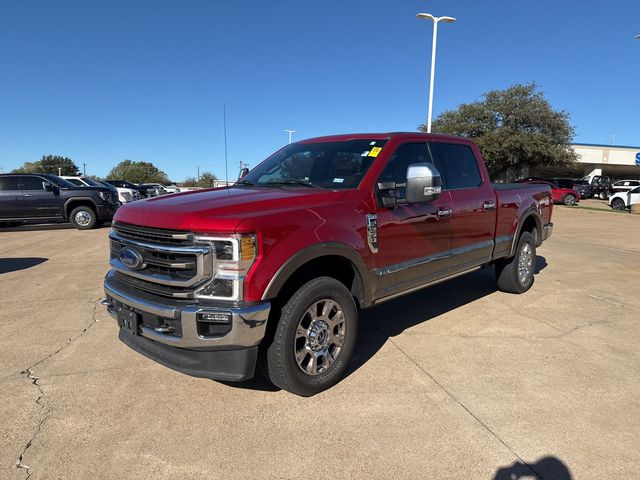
x=198, y=173
x=59, y=171
x=84, y=169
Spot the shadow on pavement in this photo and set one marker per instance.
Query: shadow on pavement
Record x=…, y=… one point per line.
x=547, y=468
x=38, y=227
x=390, y=319
x=14, y=264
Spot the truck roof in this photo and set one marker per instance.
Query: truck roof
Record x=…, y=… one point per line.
x=379, y=136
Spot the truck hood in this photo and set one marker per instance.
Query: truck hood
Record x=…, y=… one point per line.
x=219, y=209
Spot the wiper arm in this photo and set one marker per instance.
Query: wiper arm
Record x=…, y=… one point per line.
x=245, y=182
x=294, y=181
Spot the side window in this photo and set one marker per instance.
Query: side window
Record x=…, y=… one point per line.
x=32, y=183
x=9, y=183
x=405, y=155
x=635, y=190
x=75, y=181
x=459, y=166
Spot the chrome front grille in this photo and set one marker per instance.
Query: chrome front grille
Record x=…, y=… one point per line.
x=170, y=262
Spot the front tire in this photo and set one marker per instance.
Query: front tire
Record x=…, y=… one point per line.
x=83, y=218
x=602, y=195
x=314, y=339
x=618, y=204
x=515, y=275
x=569, y=200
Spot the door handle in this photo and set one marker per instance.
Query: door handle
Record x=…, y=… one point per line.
x=28, y=195
x=490, y=205
x=444, y=212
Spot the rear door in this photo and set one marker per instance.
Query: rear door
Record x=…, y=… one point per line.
x=38, y=202
x=413, y=239
x=10, y=198
x=473, y=205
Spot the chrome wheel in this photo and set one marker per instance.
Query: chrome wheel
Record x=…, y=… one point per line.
x=83, y=218
x=319, y=336
x=525, y=263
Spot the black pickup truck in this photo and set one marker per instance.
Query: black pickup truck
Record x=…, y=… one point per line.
x=47, y=198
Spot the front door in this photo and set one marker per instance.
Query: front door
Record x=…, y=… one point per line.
x=413, y=239
x=37, y=201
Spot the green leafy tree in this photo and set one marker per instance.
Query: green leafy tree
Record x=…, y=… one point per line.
x=54, y=164
x=190, y=182
x=516, y=130
x=207, y=180
x=137, y=172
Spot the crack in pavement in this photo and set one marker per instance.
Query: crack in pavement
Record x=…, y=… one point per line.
x=30, y=375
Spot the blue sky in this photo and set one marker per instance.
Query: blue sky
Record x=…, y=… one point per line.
x=101, y=81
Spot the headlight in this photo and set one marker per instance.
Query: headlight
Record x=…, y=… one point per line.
x=234, y=256
x=127, y=196
x=104, y=196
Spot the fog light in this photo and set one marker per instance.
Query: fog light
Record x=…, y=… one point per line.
x=214, y=317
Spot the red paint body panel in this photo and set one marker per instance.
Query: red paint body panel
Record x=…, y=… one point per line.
x=288, y=220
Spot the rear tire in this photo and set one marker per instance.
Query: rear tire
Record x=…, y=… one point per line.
x=569, y=200
x=602, y=195
x=314, y=339
x=83, y=218
x=618, y=204
x=515, y=275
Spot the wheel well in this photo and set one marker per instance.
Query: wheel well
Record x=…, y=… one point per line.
x=334, y=266
x=78, y=203
x=531, y=225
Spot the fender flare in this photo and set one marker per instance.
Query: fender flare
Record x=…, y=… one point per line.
x=531, y=212
x=293, y=263
x=90, y=200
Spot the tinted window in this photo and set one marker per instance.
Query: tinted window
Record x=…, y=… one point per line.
x=332, y=165
x=32, y=183
x=75, y=181
x=9, y=183
x=636, y=190
x=405, y=155
x=459, y=166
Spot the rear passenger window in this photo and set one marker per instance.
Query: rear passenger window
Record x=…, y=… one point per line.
x=459, y=166
x=9, y=183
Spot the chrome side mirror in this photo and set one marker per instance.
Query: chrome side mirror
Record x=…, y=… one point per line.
x=424, y=183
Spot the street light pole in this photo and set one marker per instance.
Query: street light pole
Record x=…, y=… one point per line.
x=290, y=132
x=436, y=20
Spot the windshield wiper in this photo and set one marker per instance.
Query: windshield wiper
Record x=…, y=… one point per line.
x=293, y=181
x=245, y=182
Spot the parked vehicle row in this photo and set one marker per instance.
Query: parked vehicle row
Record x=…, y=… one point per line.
x=48, y=198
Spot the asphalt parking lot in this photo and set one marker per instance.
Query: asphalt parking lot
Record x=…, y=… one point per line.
x=456, y=381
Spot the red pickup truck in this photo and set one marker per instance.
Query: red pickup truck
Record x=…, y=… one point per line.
x=272, y=270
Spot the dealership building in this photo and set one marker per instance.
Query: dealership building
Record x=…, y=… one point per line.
x=615, y=161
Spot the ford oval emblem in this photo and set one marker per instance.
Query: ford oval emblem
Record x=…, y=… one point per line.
x=132, y=259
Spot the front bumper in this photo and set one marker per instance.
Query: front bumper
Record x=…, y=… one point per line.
x=228, y=356
x=106, y=211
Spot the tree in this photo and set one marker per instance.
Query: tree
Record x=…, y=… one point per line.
x=207, y=180
x=137, y=172
x=515, y=129
x=54, y=164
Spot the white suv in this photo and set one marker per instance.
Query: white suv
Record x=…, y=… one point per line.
x=624, y=200
x=125, y=195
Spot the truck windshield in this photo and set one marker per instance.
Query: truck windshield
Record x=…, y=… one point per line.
x=332, y=165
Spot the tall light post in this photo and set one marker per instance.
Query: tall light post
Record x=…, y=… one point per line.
x=436, y=20
x=290, y=132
